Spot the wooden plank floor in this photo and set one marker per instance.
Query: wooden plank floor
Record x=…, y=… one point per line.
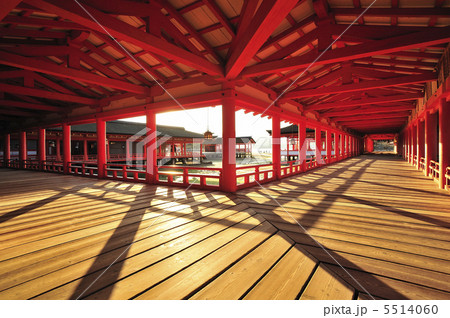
x=66, y=237
x=386, y=224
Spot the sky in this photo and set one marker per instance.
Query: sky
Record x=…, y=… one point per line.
x=196, y=120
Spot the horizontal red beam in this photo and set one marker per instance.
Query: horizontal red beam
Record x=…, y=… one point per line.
x=365, y=101
x=394, y=12
x=394, y=44
x=46, y=94
x=16, y=104
x=267, y=18
x=368, y=110
x=372, y=117
x=124, y=31
x=61, y=71
x=363, y=86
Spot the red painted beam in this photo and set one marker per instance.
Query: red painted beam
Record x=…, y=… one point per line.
x=70, y=10
x=386, y=46
x=46, y=94
x=11, y=32
x=365, y=101
x=371, y=117
x=16, y=104
x=17, y=113
x=363, y=86
x=394, y=12
x=368, y=110
x=61, y=71
x=43, y=23
x=267, y=18
x=7, y=6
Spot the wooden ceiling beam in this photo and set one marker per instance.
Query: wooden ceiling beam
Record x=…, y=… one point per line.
x=363, y=86
x=354, y=52
x=367, y=110
x=72, y=11
x=61, y=71
x=266, y=19
x=7, y=6
x=365, y=101
x=12, y=89
x=393, y=12
x=16, y=104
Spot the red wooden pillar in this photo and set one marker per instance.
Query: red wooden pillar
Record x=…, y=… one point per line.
x=276, y=146
x=350, y=146
x=127, y=150
x=302, y=145
x=345, y=146
x=22, y=148
x=151, y=147
x=7, y=150
x=329, y=146
x=85, y=150
x=67, y=151
x=430, y=139
x=337, y=146
x=318, y=140
x=58, y=149
x=420, y=142
x=411, y=144
x=228, y=182
x=414, y=137
x=101, y=147
x=444, y=141
x=41, y=148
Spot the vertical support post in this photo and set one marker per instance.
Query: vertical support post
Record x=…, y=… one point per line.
x=444, y=140
x=420, y=142
x=348, y=147
x=228, y=182
x=318, y=140
x=151, y=147
x=302, y=145
x=22, y=148
x=107, y=150
x=276, y=146
x=337, y=146
x=58, y=149
x=7, y=150
x=41, y=148
x=414, y=136
x=67, y=151
x=328, y=146
x=411, y=144
x=85, y=149
x=101, y=147
x=430, y=139
x=344, y=148
x=127, y=150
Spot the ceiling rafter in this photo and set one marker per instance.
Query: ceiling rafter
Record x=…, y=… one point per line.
x=126, y=32
x=266, y=19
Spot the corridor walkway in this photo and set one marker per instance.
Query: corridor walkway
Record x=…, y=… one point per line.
x=66, y=237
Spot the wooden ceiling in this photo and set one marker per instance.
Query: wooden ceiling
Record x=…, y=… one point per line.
x=57, y=57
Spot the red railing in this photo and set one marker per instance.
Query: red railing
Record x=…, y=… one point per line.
x=53, y=166
x=422, y=163
x=125, y=172
x=13, y=163
x=82, y=169
x=205, y=178
x=447, y=178
x=290, y=168
x=434, y=170
x=32, y=165
x=310, y=164
x=247, y=176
